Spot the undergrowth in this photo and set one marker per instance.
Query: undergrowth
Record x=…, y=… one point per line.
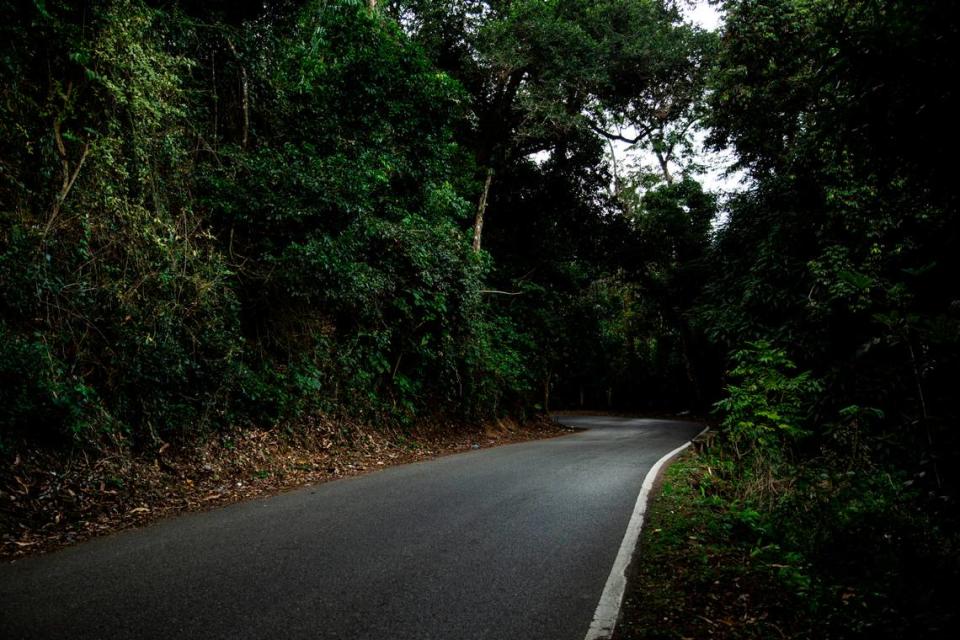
x=842, y=555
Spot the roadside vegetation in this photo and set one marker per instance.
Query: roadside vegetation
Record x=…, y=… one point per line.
x=216, y=213
x=825, y=503
x=220, y=219
x=841, y=555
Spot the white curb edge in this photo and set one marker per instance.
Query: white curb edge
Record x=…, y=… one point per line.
x=608, y=609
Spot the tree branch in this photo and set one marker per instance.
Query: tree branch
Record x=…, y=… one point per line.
x=502, y=293
x=69, y=177
x=644, y=133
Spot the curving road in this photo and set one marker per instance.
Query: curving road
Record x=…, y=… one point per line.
x=514, y=542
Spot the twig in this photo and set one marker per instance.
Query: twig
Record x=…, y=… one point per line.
x=502, y=293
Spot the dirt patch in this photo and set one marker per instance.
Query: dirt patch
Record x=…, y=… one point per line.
x=51, y=499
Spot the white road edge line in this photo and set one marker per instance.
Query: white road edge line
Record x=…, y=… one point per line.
x=608, y=610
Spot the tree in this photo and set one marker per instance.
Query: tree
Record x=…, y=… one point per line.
x=843, y=249
x=537, y=72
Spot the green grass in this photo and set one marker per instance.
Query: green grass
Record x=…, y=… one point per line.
x=710, y=566
x=700, y=573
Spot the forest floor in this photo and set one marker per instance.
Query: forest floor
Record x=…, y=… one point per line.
x=50, y=499
x=710, y=567
x=695, y=577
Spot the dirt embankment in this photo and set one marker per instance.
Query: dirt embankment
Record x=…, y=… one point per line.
x=50, y=499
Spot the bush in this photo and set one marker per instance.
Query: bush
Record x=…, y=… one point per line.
x=765, y=412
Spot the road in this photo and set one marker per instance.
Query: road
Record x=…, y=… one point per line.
x=513, y=542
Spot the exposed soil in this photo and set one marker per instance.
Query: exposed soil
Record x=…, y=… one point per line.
x=53, y=498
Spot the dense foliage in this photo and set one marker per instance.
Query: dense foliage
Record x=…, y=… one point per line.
x=841, y=258
x=217, y=213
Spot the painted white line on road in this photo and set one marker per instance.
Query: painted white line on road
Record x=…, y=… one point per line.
x=608, y=610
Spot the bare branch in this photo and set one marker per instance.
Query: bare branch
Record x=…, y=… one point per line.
x=69, y=177
x=644, y=133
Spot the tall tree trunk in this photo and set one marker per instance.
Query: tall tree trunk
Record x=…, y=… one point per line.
x=664, y=160
x=245, y=95
x=481, y=210
x=692, y=377
x=546, y=393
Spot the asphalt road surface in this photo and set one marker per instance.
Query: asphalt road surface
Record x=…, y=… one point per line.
x=514, y=542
